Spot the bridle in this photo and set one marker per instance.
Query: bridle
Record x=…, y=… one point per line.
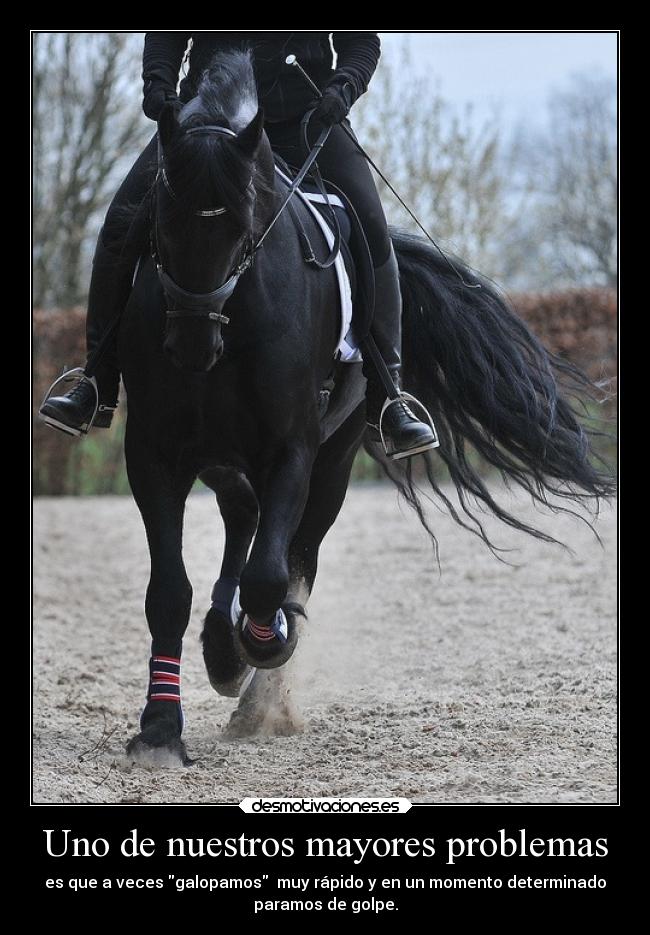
x=208, y=304
x=194, y=304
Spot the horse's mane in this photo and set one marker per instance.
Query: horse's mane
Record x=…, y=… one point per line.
x=207, y=169
x=227, y=92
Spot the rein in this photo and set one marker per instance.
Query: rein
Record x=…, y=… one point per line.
x=208, y=304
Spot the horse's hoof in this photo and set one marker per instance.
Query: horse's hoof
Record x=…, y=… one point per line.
x=159, y=741
x=169, y=754
x=230, y=689
x=226, y=667
x=254, y=720
x=243, y=724
x=267, y=646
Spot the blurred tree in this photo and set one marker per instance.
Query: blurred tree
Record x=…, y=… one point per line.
x=448, y=168
x=573, y=166
x=538, y=212
x=87, y=128
x=534, y=212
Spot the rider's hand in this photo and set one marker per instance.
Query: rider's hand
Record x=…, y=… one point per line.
x=156, y=96
x=335, y=104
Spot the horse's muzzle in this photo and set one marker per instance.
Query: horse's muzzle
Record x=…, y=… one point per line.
x=196, y=361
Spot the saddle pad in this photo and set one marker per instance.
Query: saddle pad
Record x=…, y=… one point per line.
x=346, y=349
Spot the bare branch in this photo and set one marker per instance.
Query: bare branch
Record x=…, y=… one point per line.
x=87, y=129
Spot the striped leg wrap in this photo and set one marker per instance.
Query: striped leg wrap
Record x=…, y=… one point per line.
x=259, y=631
x=278, y=628
x=164, y=679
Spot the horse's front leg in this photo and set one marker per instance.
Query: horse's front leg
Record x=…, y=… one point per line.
x=160, y=494
x=226, y=668
x=267, y=706
x=267, y=631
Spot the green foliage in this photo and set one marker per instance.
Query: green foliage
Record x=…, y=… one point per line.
x=92, y=465
x=366, y=468
x=98, y=462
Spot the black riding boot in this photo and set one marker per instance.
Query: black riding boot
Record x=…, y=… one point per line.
x=72, y=412
x=391, y=420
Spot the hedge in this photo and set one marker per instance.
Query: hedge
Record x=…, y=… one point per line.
x=580, y=324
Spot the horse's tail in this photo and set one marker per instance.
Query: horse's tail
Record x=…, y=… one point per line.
x=489, y=382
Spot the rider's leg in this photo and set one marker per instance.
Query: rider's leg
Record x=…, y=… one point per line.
x=393, y=422
x=118, y=248
x=340, y=161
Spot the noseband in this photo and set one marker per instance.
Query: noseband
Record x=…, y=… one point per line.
x=194, y=304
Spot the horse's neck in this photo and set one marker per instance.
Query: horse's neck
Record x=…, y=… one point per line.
x=268, y=194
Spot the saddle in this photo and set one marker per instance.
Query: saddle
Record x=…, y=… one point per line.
x=342, y=232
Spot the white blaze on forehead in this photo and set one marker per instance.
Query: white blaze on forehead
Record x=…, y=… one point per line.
x=245, y=113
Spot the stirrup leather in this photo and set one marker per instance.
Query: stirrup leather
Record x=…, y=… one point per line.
x=402, y=396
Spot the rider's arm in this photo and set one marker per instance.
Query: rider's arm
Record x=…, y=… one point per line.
x=357, y=55
x=161, y=64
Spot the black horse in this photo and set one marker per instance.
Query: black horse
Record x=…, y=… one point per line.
x=224, y=365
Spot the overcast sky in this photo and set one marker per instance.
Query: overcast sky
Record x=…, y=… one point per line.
x=513, y=70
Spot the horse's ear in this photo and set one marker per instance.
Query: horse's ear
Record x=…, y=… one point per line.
x=168, y=124
x=249, y=138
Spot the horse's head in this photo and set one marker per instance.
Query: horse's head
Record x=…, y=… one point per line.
x=205, y=200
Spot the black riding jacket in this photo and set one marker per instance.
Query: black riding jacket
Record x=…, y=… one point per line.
x=283, y=92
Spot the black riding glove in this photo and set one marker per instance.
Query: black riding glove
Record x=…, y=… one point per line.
x=335, y=103
x=156, y=96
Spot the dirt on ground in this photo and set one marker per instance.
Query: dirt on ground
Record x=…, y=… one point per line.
x=480, y=682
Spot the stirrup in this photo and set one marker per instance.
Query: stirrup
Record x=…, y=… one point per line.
x=389, y=402
x=67, y=376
